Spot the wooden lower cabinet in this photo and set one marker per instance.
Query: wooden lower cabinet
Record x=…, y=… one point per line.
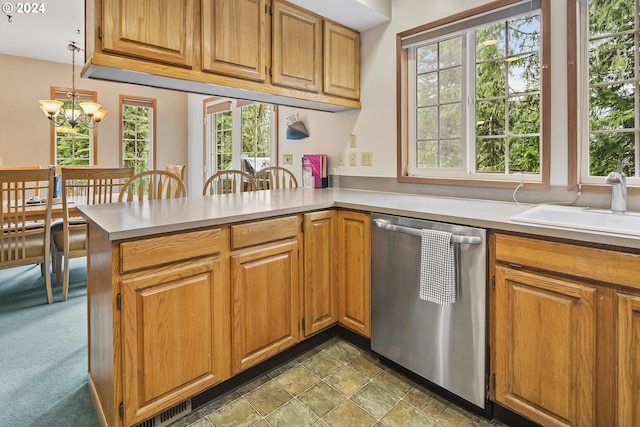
x=175, y=330
x=545, y=347
x=320, y=271
x=171, y=316
x=158, y=316
x=265, y=295
x=354, y=271
x=565, y=327
x=628, y=358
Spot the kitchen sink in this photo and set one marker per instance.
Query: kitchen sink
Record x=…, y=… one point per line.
x=627, y=223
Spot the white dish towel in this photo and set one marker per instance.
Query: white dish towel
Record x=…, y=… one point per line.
x=437, y=267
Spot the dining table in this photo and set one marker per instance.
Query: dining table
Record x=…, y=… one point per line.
x=36, y=211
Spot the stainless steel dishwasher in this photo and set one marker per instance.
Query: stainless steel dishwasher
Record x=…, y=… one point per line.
x=443, y=344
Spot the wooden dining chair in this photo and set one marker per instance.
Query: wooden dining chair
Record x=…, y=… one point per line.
x=151, y=185
x=25, y=234
x=228, y=181
x=81, y=186
x=274, y=177
x=176, y=169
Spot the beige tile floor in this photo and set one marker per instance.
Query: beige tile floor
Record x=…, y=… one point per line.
x=335, y=384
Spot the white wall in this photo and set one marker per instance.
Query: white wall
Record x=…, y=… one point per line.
x=328, y=134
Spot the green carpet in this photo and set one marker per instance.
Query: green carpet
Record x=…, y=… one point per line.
x=43, y=351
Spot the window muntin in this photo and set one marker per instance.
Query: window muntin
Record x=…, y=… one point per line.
x=137, y=125
x=73, y=146
x=494, y=130
x=506, y=82
x=609, y=123
x=438, y=114
x=241, y=135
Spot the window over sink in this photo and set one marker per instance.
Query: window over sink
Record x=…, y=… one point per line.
x=603, y=44
x=475, y=110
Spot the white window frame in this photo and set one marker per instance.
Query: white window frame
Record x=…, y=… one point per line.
x=145, y=103
x=235, y=106
x=583, y=132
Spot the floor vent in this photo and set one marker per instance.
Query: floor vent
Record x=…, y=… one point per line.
x=167, y=417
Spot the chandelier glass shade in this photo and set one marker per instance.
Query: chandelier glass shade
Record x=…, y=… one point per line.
x=75, y=113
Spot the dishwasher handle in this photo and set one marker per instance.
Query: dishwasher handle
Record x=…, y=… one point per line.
x=455, y=238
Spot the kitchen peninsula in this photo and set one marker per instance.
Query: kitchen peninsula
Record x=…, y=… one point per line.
x=185, y=293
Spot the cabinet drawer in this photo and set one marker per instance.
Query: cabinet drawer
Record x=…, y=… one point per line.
x=165, y=249
x=604, y=265
x=255, y=233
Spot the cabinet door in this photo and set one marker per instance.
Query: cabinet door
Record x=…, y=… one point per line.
x=341, y=61
x=628, y=366
x=234, y=38
x=297, y=48
x=265, y=302
x=320, y=271
x=175, y=335
x=544, y=348
x=147, y=29
x=354, y=271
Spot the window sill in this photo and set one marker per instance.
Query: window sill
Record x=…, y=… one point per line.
x=474, y=182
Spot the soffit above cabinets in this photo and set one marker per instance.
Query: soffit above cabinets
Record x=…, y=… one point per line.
x=359, y=15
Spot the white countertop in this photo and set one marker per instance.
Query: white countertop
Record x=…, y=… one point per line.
x=137, y=219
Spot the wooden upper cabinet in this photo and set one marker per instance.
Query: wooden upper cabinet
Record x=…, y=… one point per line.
x=161, y=32
x=234, y=38
x=297, y=47
x=341, y=61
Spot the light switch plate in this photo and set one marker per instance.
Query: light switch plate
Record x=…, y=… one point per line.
x=352, y=159
x=287, y=159
x=352, y=141
x=366, y=158
x=341, y=158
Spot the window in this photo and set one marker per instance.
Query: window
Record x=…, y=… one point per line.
x=476, y=105
x=138, y=133
x=604, y=101
x=240, y=135
x=73, y=146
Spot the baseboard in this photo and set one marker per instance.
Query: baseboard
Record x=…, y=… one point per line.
x=510, y=418
x=93, y=393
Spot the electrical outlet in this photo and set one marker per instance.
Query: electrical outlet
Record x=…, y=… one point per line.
x=366, y=158
x=352, y=141
x=352, y=159
x=341, y=159
x=287, y=159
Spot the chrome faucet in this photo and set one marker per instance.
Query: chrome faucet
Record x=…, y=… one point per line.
x=618, y=183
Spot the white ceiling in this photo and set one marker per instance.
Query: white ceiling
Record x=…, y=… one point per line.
x=46, y=35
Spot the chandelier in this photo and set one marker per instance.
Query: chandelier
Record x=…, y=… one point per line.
x=89, y=114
